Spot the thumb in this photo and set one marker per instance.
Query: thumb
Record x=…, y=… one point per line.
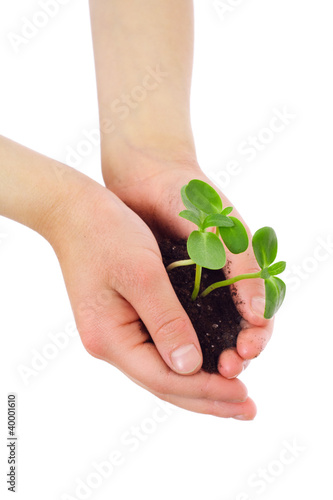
x=250, y=301
x=156, y=302
x=250, y=297
x=250, y=293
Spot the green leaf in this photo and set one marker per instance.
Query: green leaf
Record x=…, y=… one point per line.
x=191, y=216
x=217, y=220
x=265, y=274
x=277, y=268
x=203, y=197
x=275, y=291
x=227, y=210
x=206, y=250
x=235, y=238
x=264, y=244
x=187, y=202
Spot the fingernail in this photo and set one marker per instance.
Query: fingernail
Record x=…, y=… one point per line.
x=258, y=305
x=186, y=359
x=240, y=417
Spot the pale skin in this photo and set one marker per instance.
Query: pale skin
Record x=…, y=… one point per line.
x=113, y=277
x=104, y=238
x=150, y=154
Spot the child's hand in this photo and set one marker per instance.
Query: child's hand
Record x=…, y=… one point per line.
x=115, y=276
x=153, y=191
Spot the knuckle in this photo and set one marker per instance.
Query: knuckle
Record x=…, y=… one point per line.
x=142, y=278
x=93, y=344
x=253, y=269
x=148, y=269
x=170, y=328
x=139, y=273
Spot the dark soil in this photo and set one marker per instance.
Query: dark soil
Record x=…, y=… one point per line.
x=215, y=317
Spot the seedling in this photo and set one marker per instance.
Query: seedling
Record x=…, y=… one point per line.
x=206, y=248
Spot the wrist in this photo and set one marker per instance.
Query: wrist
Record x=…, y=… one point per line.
x=65, y=213
x=42, y=193
x=127, y=160
x=77, y=204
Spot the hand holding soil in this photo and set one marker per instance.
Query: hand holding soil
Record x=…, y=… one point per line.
x=126, y=310
x=115, y=280
x=148, y=150
x=156, y=198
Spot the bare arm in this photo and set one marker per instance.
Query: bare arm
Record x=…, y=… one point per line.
x=143, y=56
x=114, y=281
x=148, y=151
x=31, y=187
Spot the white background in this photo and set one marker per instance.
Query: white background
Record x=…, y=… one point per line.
x=258, y=57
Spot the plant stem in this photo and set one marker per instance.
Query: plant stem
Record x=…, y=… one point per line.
x=179, y=263
x=230, y=281
x=198, y=270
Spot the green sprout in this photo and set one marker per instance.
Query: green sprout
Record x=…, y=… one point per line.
x=206, y=248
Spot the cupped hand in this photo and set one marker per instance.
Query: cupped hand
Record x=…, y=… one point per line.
x=151, y=187
x=114, y=275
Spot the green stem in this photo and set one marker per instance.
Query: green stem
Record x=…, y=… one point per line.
x=198, y=270
x=218, y=284
x=179, y=263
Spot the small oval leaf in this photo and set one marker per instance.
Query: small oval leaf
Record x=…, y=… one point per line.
x=235, y=238
x=206, y=250
x=203, y=197
x=275, y=291
x=187, y=202
x=264, y=243
x=217, y=220
x=191, y=216
x=227, y=210
x=277, y=268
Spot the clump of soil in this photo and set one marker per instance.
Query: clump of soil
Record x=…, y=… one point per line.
x=215, y=317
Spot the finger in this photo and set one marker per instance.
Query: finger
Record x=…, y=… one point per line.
x=125, y=344
x=154, y=299
x=240, y=411
x=252, y=340
x=127, y=348
x=230, y=363
x=144, y=365
x=249, y=300
x=250, y=296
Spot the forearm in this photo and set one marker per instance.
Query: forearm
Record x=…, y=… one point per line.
x=39, y=192
x=143, y=57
